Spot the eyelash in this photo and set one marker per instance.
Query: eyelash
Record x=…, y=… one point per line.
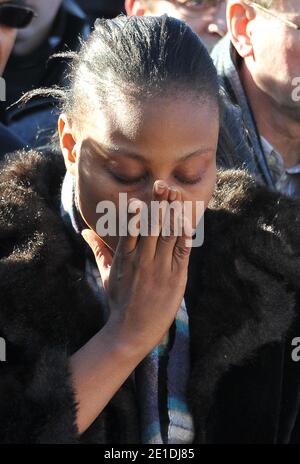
x=123, y=180
x=190, y=182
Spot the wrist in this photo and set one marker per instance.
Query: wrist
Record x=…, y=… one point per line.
x=128, y=345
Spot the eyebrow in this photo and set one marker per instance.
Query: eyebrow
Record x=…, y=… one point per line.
x=111, y=150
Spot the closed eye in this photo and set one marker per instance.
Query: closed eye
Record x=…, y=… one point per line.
x=129, y=181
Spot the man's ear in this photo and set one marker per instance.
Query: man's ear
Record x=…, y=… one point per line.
x=67, y=143
x=135, y=7
x=240, y=23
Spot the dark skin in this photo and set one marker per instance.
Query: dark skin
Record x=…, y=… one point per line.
x=170, y=142
x=165, y=149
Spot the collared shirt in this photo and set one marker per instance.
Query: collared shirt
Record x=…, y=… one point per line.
x=287, y=180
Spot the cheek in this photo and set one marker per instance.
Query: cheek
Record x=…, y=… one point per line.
x=291, y=55
x=268, y=44
x=93, y=186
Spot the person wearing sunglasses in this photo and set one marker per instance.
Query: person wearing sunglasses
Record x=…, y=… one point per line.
x=13, y=17
x=206, y=17
x=58, y=26
x=259, y=66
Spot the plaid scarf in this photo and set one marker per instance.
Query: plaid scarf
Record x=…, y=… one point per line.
x=161, y=378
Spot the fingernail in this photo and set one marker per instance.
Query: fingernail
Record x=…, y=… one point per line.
x=172, y=193
x=160, y=187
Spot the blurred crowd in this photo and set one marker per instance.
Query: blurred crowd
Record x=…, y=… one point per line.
x=256, y=71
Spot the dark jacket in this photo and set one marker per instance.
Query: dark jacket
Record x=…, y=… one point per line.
x=35, y=121
x=242, y=298
x=102, y=8
x=244, y=139
x=8, y=141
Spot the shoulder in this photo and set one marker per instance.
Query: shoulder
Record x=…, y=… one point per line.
x=258, y=214
x=249, y=265
x=29, y=213
x=29, y=190
x=42, y=172
x=244, y=282
x=250, y=220
x=40, y=278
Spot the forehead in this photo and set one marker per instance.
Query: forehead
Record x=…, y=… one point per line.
x=180, y=124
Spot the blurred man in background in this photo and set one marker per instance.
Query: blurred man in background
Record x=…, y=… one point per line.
x=13, y=16
x=259, y=65
x=58, y=26
x=206, y=17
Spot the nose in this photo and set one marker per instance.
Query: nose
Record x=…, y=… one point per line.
x=218, y=25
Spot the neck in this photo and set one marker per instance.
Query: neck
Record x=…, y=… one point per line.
x=273, y=123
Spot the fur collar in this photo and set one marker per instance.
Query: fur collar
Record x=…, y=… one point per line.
x=242, y=283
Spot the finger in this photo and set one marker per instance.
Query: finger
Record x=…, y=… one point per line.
x=160, y=197
x=183, y=246
x=175, y=212
x=152, y=220
x=103, y=255
x=174, y=194
x=128, y=242
x=171, y=227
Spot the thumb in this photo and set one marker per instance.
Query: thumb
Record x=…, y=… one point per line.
x=101, y=252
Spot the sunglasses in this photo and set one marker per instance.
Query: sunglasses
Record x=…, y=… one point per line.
x=15, y=16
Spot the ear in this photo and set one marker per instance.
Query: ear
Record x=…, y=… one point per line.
x=240, y=25
x=67, y=143
x=135, y=7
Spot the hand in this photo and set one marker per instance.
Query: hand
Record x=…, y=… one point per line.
x=146, y=279
x=102, y=253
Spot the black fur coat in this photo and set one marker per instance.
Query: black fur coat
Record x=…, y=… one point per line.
x=242, y=298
